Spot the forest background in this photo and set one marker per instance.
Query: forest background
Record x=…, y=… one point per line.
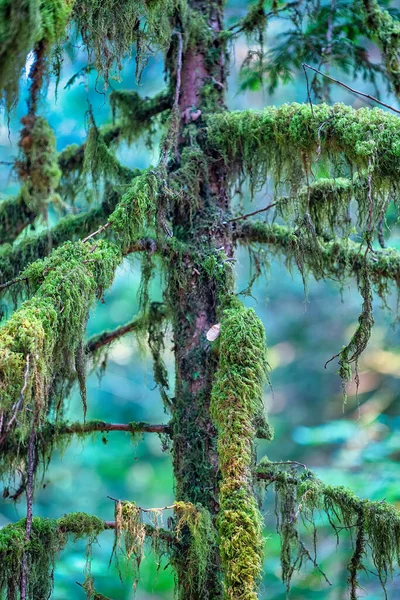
x=358, y=446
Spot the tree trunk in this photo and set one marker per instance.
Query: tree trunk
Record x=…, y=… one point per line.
x=194, y=288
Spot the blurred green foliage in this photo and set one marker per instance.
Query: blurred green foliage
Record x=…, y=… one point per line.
x=358, y=446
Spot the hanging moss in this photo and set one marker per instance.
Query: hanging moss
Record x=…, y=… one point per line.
x=188, y=180
x=100, y=161
x=109, y=30
x=42, y=337
x=196, y=538
x=23, y=24
x=37, y=166
x=236, y=402
x=359, y=340
x=284, y=143
x=48, y=538
x=374, y=525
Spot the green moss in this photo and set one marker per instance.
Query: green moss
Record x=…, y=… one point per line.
x=136, y=212
x=48, y=538
x=37, y=166
x=194, y=531
x=40, y=340
x=374, y=525
x=23, y=24
x=100, y=161
x=236, y=403
x=135, y=115
x=146, y=25
x=285, y=142
x=15, y=215
x=386, y=31
x=15, y=258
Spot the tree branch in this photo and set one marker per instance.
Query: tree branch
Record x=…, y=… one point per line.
x=340, y=258
x=347, y=87
x=106, y=337
x=92, y=426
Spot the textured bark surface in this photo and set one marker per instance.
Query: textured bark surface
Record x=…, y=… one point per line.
x=195, y=301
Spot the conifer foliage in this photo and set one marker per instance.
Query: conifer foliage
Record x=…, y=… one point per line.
x=179, y=216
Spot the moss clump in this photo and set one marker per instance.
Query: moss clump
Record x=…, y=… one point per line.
x=23, y=24
x=41, y=339
x=136, y=212
x=236, y=402
x=37, y=167
x=194, y=531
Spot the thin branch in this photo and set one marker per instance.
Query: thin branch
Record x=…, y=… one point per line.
x=347, y=87
x=178, y=69
x=145, y=510
x=20, y=401
x=29, y=507
x=99, y=230
x=255, y=212
x=151, y=531
x=92, y=426
x=107, y=337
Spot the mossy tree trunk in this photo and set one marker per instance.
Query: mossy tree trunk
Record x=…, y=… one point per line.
x=194, y=290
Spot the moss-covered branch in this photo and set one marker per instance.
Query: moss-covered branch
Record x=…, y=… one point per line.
x=107, y=337
x=236, y=403
x=284, y=142
x=15, y=215
x=385, y=30
x=48, y=538
x=374, y=525
x=44, y=336
x=340, y=258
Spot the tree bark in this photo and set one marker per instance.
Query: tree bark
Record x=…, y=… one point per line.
x=194, y=293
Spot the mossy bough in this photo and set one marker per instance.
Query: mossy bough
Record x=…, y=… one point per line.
x=43, y=337
x=235, y=405
x=48, y=538
x=285, y=142
x=375, y=525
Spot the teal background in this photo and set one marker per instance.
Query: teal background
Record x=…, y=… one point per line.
x=357, y=445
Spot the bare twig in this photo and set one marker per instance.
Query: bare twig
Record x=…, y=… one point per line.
x=178, y=68
x=100, y=229
x=8, y=284
x=347, y=87
x=146, y=510
x=256, y=212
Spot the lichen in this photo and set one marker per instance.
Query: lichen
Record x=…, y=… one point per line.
x=236, y=402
